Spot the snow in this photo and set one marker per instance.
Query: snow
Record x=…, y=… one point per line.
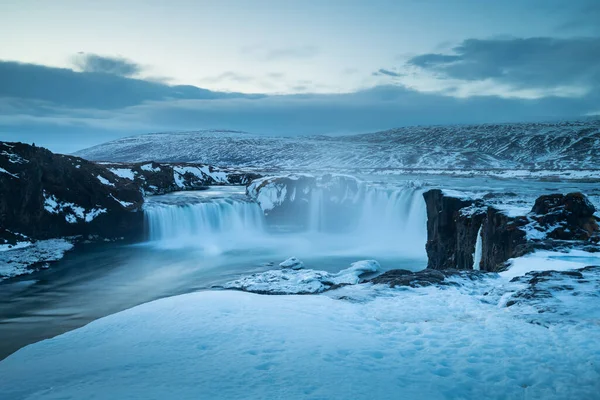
x=2, y=170
x=289, y=281
x=125, y=173
x=268, y=193
x=293, y=263
x=550, y=260
x=73, y=212
x=18, y=245
x=105, y=181
x=16, y=261
x=179, y=181
x=380, y=343
x=121, y=202
x=13, y=158
x=218, y=176
x=90, y=216
x=149, y=168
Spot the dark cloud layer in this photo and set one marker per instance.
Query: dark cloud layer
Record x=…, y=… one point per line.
x=65, y=87
x=107, y=65
x=387, y=72
x=542, y=62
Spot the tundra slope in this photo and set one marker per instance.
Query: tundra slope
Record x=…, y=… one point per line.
x=571, y=145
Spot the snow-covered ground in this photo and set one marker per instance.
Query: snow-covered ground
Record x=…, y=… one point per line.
x=16, y=260
x=358, y=342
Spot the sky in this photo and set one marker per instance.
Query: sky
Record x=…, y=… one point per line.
x=78, y=73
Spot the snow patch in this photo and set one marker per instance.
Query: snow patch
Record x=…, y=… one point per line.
x=105, y=181
x=289, y=281
x=121, y=202
x=149, y=168
x=550, y=260
x=18, y=260
x=125, y=173
x=2, y=170
x=73, y=212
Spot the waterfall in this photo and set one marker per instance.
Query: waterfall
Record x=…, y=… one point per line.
x=478, y=250
x=214, y=224
x=375, y=217
x=368, y=220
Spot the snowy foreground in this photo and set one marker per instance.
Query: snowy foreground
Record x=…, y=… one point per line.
x=358, y=342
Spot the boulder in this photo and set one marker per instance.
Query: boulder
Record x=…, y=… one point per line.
x=566, y=217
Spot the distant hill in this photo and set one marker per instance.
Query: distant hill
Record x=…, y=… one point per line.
x=558, y=145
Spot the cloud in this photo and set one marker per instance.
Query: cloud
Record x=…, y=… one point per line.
x=65, y=87
x=523, y=63
x=284, y=53
x=387, y=72
x=585, y=17
x=229, y=76
x=87, y=62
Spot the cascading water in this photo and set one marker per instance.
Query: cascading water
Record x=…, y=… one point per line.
x=383, y=219
x=369, y=221
x=215, y=224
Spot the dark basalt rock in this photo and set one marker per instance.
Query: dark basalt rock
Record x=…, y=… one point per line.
x=451, y=234
x=453, y=224
x=426, y=277
x=502, y=239
x=541, y=286
x=45, y=195
x=162, y=178
x=566, y=217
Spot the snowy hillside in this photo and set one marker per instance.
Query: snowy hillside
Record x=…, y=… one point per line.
x=552, y=146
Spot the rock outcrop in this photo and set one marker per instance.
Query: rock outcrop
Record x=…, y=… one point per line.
x=454, y=224
x=288, y=199
x=161, y=178
x=45, y=195
x=427, y=277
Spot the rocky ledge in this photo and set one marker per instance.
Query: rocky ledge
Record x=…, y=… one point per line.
x=465, y=233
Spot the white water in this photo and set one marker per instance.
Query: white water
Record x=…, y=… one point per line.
x=379, y=222
x=194, y=220
x=478, y=250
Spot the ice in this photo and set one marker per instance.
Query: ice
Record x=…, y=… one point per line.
x=17, y=260
x=289, y=281
x=421, y=343
x=292, y=263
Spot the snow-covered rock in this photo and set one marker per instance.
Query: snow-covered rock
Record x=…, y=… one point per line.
x=305, y=281
x=18, y=259
x=293, y=263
